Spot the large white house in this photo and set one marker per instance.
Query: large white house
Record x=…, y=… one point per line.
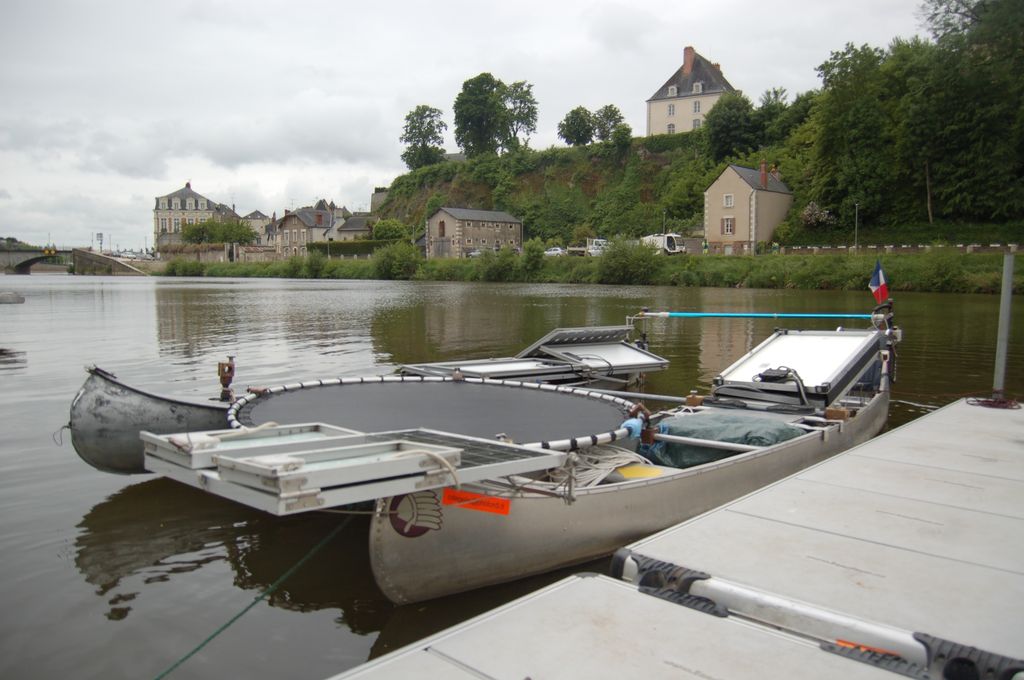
x=682, y=102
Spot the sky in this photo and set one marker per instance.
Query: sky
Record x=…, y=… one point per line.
x=265, y=105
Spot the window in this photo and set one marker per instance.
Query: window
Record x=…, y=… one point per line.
x=469, y=241
x=202, y=204
x=727, y=201
x=696, y=106
x=163, y=224
x=511, y=226
x=163, y=204
x=190, y=204
x=177, y=223
x=698, y=88
x=671, y=128
x=176, y=204
x=728, y=225
x=440, y=229
x=671, y=109
x=483, y=241
x=672, y=91
x=696, y=123
x=191, y=221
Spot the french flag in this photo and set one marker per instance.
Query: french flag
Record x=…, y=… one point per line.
x=878, y=285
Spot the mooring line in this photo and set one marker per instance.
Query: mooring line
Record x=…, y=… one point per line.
x=270, y=589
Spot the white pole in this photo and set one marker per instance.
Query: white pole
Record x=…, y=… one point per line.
x=1003, y=334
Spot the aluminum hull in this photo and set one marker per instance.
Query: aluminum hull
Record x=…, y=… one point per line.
x=107, y=415
x=435, y=550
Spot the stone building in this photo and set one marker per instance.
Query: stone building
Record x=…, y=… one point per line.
x=682, y=102
x=456, y=232
x=183, y=207
x=742, y=207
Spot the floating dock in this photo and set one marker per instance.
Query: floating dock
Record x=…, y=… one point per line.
x=903, y=557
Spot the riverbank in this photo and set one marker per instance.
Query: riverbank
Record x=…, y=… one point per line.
x=937, y=271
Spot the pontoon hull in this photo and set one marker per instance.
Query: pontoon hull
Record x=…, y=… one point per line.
x=107, y=415
x=432, y=550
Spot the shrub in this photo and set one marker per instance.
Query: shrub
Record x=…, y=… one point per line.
x=396, y=261
x=629, y=263
x=179, y=266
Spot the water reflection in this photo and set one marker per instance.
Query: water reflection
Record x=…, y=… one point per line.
x=12, y=360
x=150, y=533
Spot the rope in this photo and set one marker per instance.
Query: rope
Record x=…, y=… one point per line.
x=270, y=590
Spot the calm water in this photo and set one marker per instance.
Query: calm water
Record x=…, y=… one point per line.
x=108, y=576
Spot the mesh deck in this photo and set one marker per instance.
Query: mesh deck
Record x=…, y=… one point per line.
x=473, y=409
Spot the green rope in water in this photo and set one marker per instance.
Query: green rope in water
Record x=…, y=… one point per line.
x=274, y=586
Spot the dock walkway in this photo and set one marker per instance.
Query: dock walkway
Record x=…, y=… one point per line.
x=901, y=557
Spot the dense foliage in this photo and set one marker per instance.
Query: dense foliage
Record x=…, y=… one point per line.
x=212, y=231
x=941, y=270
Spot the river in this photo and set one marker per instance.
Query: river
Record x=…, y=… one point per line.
x=113, y=576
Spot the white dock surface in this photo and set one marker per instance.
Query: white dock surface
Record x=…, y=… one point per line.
x=921, y=529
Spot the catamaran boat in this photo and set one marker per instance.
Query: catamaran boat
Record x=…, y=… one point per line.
x=489, y=473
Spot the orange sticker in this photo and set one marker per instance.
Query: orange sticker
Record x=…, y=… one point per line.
x=476, y=501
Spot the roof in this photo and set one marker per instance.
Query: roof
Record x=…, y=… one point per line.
x=752, y=177
x=357, y=222
x=256, y=215
x=479, y=215
x=184, y=193
x=701, y=71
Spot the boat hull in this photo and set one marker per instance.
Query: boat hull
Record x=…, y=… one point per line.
x=421, y=548
x=107, y=416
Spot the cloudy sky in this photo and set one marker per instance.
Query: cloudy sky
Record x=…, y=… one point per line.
x=270, y=105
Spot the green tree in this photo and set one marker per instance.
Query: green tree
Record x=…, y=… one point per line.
x=213, y=231
x=481, y=119
x=521, y=113
x=772, y=107
x=605, y=120
x=424, y=135
x=854, y=156
x=577, y=128
x=730, y=124
x=389, y=229
x=396, y=261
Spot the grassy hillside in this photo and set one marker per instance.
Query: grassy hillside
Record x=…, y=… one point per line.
x=565, y=195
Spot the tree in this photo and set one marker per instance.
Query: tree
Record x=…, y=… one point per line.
x=577, y=128
x=621, y=139
x=730, y=126
x=521, y=113
x=772, y=107
x=481, y=119
x=605, y=120
x=212, y=231
x=390, y=229
x=424, y=135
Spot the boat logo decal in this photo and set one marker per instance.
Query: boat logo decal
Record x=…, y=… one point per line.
x=476, y=501
x=414, y=514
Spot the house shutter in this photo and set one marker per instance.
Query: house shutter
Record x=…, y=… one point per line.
x=722, y=225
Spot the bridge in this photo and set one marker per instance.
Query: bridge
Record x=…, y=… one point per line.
x=20, y=261
x=84, y=261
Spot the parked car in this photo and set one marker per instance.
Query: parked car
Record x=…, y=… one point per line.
x=474, y=253
x=596, y=247
x=555, y=251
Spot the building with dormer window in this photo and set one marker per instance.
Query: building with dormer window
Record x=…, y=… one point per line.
x=682, y=102
x=184, y=207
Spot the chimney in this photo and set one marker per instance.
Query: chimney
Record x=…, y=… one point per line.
x=764, y=174
x=688, y=55
x=188, y=185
